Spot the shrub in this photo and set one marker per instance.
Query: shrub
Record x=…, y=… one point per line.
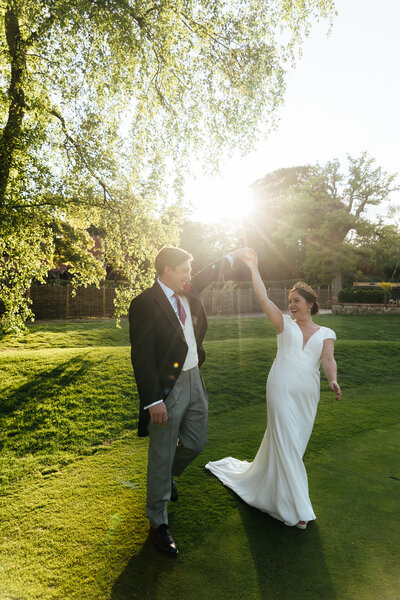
x=362, y=296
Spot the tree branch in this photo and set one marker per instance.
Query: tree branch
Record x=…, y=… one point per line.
x=82, y=155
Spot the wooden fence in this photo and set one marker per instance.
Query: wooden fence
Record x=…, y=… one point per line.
x=57, y=302
x=243, y=301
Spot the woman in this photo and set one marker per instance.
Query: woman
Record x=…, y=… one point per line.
x=276, y=481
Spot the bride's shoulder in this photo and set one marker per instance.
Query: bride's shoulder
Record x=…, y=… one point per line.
x=328, y=333
x=287, y=322
x=288, y=319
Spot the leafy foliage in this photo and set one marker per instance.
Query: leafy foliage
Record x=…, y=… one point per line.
x=207, y=242
x=186, y=79
x=360, y=295
x=311, y=221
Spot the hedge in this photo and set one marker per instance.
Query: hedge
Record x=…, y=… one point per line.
x=361, y=296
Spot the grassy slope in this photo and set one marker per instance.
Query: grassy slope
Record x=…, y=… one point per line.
x=73, y=473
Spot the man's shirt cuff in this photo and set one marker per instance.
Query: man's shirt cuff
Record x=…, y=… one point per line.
x=153, y=404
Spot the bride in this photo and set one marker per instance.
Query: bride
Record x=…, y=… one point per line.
x=276, y=481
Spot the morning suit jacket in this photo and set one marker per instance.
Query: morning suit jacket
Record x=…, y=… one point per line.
x=158, y=344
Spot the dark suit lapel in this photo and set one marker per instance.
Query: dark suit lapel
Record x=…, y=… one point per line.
x=165, y=304
x=193, y=311
x=198, y=313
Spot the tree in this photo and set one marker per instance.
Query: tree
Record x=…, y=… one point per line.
x=279, y=257
x=379, y=256
x=191, y=78
x=319, y=215
x=387, y=288
x=207, y=242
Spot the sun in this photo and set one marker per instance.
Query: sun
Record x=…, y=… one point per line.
x=218, y=200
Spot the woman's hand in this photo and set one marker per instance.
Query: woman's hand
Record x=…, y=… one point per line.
x=335, y=388
x=251, y=257
x=247, y=255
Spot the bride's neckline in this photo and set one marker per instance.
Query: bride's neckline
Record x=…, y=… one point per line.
x=305, y=341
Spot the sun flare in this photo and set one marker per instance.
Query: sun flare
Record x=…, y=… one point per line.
x=217, y=200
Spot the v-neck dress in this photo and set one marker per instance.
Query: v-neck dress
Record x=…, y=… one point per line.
x=276, y=481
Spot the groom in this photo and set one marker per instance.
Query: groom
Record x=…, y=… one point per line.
x=167, y=327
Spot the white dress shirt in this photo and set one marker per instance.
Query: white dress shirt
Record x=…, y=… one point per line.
x=191, y=358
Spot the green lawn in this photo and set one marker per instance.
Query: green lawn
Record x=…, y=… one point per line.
x=72, y=472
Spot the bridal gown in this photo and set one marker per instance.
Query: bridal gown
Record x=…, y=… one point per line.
x=276, y=481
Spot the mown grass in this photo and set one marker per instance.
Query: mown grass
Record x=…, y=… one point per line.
x=73, y=472
x=58, y=405
x=102, y=332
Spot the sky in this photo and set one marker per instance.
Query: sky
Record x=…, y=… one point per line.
x=343, y=97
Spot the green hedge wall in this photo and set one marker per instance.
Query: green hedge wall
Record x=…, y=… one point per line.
x=362, y=296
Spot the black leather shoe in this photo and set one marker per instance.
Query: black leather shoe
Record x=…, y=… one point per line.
x=174, y=491
x=163, y=540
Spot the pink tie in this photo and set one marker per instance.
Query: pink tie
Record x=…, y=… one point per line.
x=181, y=310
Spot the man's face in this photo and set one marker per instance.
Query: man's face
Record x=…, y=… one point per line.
x=176, y=278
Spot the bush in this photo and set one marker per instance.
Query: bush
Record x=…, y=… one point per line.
x=362, y=296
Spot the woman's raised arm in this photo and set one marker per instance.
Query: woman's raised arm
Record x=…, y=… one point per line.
x=249, y=257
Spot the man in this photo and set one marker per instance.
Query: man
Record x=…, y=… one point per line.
x=167, y=327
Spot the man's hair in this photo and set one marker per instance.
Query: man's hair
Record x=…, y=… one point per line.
x=170, y=256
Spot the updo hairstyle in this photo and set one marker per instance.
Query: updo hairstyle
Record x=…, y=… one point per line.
x=308, y=294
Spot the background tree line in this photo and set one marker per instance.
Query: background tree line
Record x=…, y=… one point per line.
x=311, y=222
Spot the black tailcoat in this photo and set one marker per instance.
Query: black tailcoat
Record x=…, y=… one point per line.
x=159, y=348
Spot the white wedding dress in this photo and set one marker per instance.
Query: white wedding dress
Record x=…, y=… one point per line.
x=276, y=481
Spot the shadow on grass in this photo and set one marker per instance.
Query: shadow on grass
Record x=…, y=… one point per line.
x=39, y=415
x=142, y=573
x=289, y=562
x=48, y=384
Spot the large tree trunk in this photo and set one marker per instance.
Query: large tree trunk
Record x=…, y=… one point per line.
x=10, y=135
x=336, y=283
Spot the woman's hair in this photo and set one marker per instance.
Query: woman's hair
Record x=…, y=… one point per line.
x=308, y=294
x=170, y=256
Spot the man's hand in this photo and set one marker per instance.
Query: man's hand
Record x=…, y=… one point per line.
x=247, y=255
x=158, y=414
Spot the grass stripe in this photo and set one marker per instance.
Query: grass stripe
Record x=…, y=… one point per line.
x=72, y=471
